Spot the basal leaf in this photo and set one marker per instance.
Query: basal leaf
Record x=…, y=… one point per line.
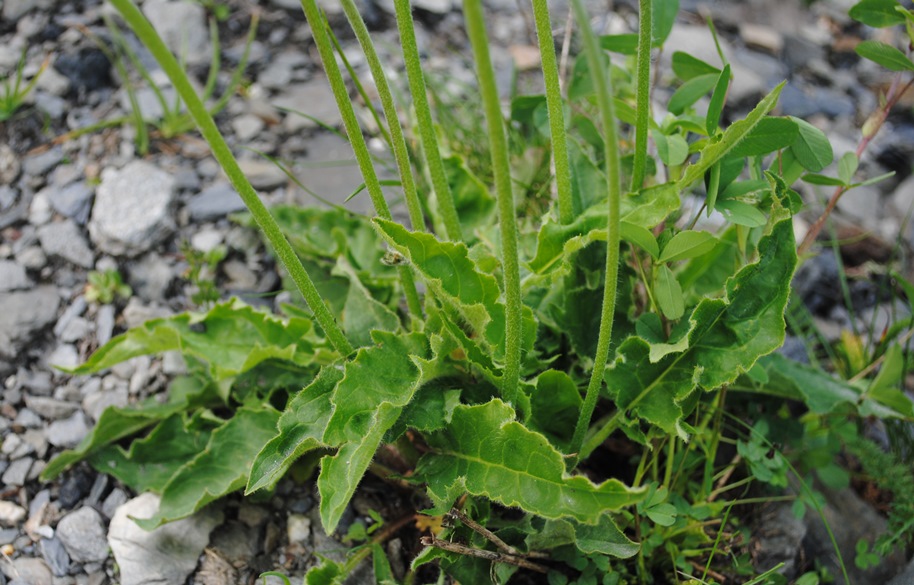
x=687, y=244
x=485, y=452
x=475, y=204
x=453, y=277
x=222, y=468
x=150, y=462
x=301, y=429
x=820, y=391
x=687, y=67
x=113, y=424
x=376, y=385
x=812, y=147
x=231, y=338
x=725, y=337
x=877, y=13
x=554, y=406
x=732, y=136
x=557, y=242
x=885, y=55
x=362, y=313
x=771, y=134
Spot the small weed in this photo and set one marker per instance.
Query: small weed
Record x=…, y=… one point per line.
x=106, y=287
x=13, y=93
x=201, y=272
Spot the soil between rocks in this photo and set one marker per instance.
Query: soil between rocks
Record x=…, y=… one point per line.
x=69, y=203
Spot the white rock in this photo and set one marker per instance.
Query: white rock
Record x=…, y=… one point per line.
x=63, y=239
x=167, y=554
x=206, y=239
x=12, y=276
x=183, y=27
x=83, y=535
x=298, y=528
x=132, y=209
x=11, y=514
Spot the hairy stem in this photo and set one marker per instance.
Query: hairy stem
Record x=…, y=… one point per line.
x=427, y=135
x=356, y=139
x=150, y=38
x=555, y=105
x=614, y=190
x=507, y=220
x=643, y=107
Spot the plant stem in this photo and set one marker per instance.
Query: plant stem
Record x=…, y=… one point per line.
x=555, y=104
x=507, y=220
x=398, y=142
x=427, y=135
x=356, y=139
x=643, y=105
x=614, y=193
x=150, y=38
x=870, y=129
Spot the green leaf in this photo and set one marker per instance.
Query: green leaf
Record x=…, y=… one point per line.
x=625, y=44
x=556, y=242
x=673, y=150
x=604, y=538
x=725, y=337
x=687, y=244
x=885, y=55
x=769, y=135
x=820, y=391
x=377, y=384
x=691, y=91
x=663, y=18
x=824, y=180
x=641, y=237
x=718, y=98
x=741, y=213
x=221, y=469
x=847, y=167
x=231, y=338
x=117, y=423
x=877, y=13
x=474, y=203
x=485, y=452
x=732, y=136
x=554, y=407
x=362, y=313
x=150, y=462
x=687, y=67
x=812, y=148
x=668, y=292
x=301, y=429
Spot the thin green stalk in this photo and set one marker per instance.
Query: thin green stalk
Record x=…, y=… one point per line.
x=398, y=142
x=150, y=38
x=427, y=135
x=555, y=105
x=356, y=139
x=643, y=106
x=614, y=192
x=507, y=221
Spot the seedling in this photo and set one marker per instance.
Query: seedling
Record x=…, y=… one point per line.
x=14, y=93
x=106, y=287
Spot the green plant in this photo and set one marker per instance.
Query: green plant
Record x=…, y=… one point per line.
x=106, y=287
x=14, y=93
x=499, y=386
x=201, y=272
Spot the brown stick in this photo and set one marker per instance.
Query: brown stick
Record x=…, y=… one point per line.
x=495, y=557
x=870, y=129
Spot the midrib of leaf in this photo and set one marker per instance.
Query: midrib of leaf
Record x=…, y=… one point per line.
x=596, y=438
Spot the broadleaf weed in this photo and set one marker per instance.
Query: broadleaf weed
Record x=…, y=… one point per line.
x=589, y=445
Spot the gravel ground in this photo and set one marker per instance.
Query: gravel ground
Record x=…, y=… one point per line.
x=71, y=204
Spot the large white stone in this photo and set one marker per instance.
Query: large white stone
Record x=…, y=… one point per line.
x=132, y=210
